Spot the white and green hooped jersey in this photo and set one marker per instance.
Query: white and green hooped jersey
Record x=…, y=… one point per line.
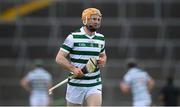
x=137, y=80
x=81, y=47
x=39, y=80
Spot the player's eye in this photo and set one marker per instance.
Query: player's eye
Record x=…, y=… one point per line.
x=94, y=18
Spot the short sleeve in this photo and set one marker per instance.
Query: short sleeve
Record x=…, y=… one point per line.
x=103, y=48
x=147, y=76
x=49, y=78
x=68, y=44
x=28, y=77
x=127, y=79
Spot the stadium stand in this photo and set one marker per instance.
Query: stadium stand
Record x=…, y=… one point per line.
x=145, y=29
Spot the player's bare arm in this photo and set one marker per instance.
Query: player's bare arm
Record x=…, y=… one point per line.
x=102, y=60
x=124, y=88
x=24, y=84
x=62, y=61
x=151, y=84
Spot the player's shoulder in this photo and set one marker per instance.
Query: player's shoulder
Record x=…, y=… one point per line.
x=30, y=74
x=133, y=71
x=77, y=32
x=99, y=34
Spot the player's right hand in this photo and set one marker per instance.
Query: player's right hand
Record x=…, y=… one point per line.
x=78, y=72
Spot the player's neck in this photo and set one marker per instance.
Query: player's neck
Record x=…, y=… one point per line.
x=88, y=32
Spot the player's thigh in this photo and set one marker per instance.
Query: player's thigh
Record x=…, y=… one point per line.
x=94, y=96
x=75, y=95
x=94, y=99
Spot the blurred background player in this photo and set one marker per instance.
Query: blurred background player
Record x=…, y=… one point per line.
x=139, y=82
x=37, y=82
x=169, y=94
x=82, y=45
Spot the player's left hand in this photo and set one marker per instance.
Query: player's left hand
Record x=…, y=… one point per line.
x=101, y=62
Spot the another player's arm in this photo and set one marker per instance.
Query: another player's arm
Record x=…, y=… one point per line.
x=125, y=84
x=125, y=88
x=25, y=84
x=50, y=84
x=62, y=61
x=151, y=84
x=50, y=100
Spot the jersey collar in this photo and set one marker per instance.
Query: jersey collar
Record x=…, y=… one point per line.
x=82, y=30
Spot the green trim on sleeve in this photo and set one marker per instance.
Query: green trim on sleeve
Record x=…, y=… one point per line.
x=102, y=50
x=66, y=47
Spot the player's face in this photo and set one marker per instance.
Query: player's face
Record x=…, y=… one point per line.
x=94, y=22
